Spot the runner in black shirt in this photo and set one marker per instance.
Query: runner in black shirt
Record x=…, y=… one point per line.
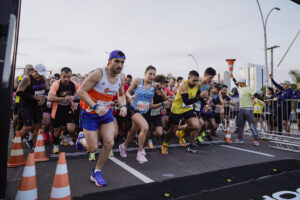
x=32, y=92
x=62, y=95
x=159, y=102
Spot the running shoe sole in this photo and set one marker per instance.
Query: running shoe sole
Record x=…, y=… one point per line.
x=142, y=162
x=96, y=183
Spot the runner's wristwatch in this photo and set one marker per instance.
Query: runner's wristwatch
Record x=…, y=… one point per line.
x=95, y=107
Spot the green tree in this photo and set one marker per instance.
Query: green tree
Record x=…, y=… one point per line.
x=169, y=76
x=295, y=74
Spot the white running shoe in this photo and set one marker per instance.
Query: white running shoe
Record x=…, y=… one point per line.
x=141, y=157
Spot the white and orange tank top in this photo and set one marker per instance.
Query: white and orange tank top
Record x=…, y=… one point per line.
x=103, y=92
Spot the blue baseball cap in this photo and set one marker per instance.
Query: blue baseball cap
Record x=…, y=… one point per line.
x=117, y=54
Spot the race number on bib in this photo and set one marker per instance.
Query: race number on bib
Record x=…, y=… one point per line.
x=257, y=108
x=155, y=112
x=64, y=103
x=39, y=92
x=198, y=106
x=185, y=106
x=142, y=105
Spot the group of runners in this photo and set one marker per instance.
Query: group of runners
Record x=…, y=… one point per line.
x=107, y=105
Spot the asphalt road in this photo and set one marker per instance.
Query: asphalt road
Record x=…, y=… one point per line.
x=120, y=172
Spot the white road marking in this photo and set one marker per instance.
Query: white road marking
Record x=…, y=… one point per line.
x=250, y=151
x=134, y=172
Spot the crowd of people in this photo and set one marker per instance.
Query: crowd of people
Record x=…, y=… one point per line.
x=107, y=106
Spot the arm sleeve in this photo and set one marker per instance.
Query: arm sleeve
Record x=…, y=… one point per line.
x=187, y=101
x=276, y=84
x=235, y=82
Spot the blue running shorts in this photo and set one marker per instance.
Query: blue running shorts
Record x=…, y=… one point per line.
x=92, y=122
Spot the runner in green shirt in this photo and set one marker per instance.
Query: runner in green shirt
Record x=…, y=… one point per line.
x=246, y=111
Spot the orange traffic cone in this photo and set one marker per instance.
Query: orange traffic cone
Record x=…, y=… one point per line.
x=27, y=188
x=227, y=137
x=16, y=155
x=39, y=149
x=61, y=189
x=230, y=63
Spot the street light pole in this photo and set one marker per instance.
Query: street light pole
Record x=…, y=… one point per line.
x=189, y=54
x=264, y=21
x=271, y=48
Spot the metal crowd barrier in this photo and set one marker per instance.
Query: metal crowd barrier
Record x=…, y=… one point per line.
x=277, y=123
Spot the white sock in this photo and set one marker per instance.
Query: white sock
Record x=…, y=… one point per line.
x=97, y=170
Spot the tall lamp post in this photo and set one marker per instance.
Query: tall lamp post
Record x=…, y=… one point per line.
x=264, y=21
x=189, y=54
x=271, y=48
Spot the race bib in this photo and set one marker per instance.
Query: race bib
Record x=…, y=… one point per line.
x=185, y=106
x=142, y=105
x=104, y=103
x=257, y=108
x=198, y=106
x=39, y=92
x=63, y=103
x=298, y=110
x=155, y=112
x=217, y=110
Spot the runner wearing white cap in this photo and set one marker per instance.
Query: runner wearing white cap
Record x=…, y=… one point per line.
x=32, y=92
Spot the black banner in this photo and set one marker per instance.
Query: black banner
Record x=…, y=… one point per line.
x=7, y=8
x=276, y=180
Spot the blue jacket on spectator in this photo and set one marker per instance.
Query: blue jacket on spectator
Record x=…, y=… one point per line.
x=296, y=95
x=285, y=94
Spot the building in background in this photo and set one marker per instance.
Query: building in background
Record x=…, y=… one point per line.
x=254, y=75
x=223, y=78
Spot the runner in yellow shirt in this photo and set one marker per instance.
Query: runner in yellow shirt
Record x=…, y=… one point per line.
x=182, y=107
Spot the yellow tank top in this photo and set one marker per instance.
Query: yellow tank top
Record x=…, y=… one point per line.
x=178, y=107
x=258, y=106
x=20, y=78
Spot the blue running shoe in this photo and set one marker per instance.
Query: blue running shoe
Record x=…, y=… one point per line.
x=238, y=141
x=97, y=178
x=78, y=142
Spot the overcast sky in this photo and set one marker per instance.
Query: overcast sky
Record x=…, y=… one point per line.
x=78, y=33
